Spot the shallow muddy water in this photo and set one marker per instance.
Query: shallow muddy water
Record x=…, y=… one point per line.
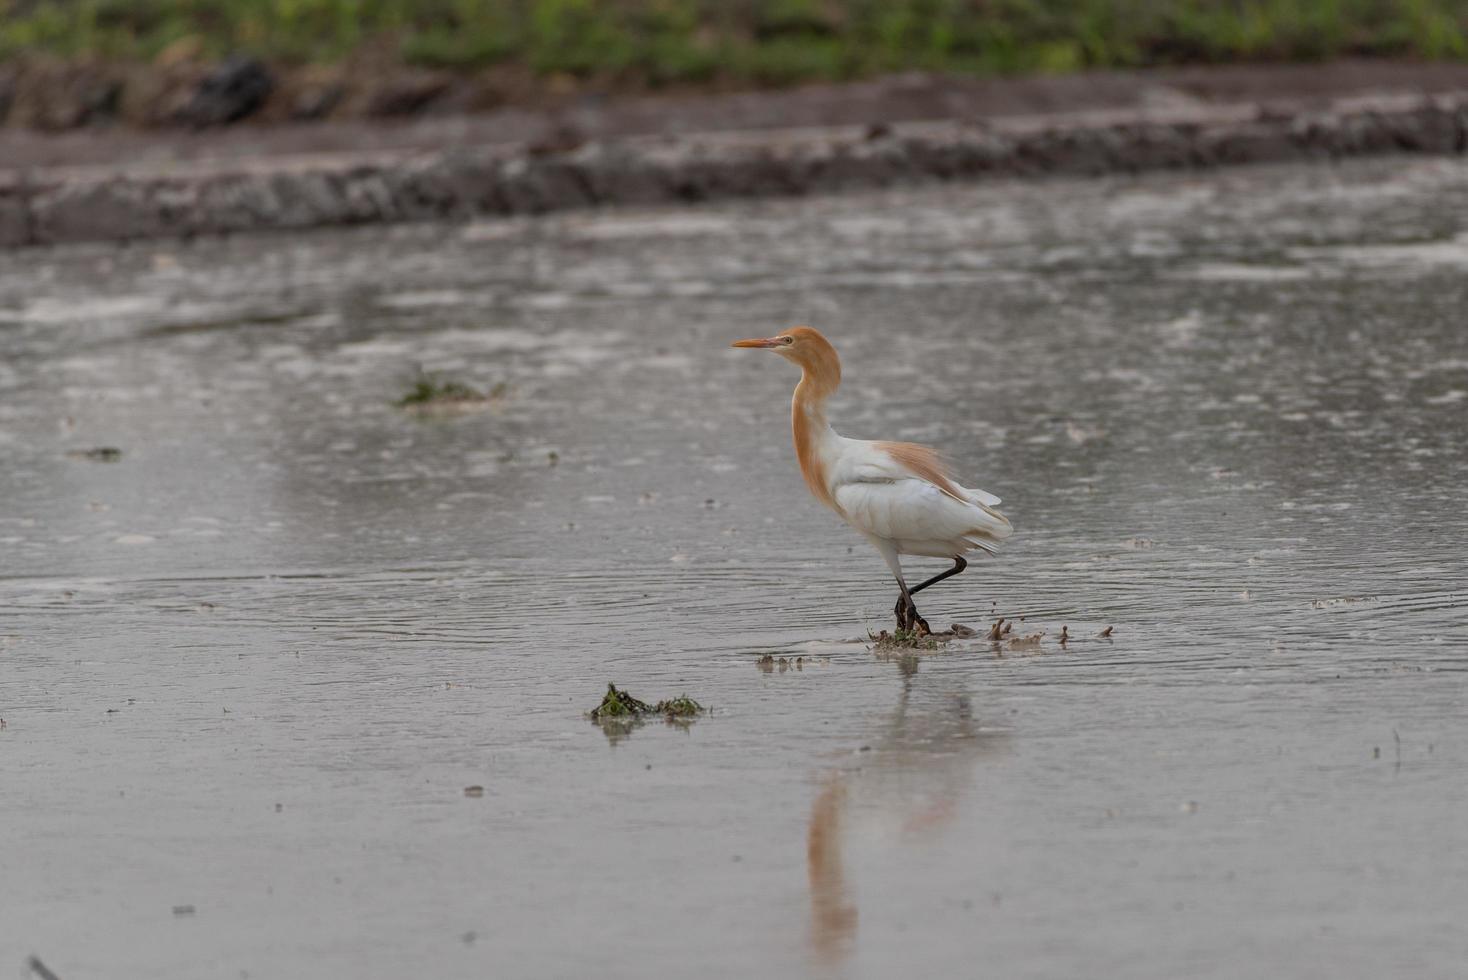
x=248, y=669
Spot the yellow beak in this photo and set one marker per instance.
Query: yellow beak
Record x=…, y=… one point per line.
x=757, y=342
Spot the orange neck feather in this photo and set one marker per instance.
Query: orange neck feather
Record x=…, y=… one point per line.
x=821, y=376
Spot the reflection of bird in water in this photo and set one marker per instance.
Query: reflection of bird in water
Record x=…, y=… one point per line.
x=899, y=495
x=833, y=915
x=909, y=787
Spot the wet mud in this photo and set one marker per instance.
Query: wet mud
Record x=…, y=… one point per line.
x=226, y=196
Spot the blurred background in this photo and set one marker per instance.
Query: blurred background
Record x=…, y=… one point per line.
x=69, y=63
x=459, y=98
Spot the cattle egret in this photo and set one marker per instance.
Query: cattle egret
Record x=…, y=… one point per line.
x=899, y=495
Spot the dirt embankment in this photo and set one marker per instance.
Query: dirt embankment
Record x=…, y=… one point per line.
x=114, y=183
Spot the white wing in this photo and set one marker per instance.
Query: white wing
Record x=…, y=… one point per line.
x=881, y=496
x=982, y=496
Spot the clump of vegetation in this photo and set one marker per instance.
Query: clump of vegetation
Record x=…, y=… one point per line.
x=680, y=42
x=680, y=707
x=432, y=395
x=885, y=642
x=617, y=704
x=769, y=663
x=427, y=390
x=101, y=454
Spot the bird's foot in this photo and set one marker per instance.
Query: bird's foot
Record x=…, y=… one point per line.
x=908, y=619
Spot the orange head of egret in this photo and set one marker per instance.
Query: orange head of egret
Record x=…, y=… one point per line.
x=807, y=347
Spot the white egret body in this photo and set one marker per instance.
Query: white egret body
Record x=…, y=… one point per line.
x=899, y=495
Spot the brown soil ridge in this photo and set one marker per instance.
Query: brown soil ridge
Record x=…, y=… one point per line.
x=274, y=192
x=890, y=99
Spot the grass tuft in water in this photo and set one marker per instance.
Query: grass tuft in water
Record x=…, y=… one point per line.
x=885, y=642
x=101, y=454
x=428, y=390
x=769, y=662
x=679, y=707
x=620, y=704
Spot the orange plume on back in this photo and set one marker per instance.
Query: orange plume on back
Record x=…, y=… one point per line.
x=924, y=462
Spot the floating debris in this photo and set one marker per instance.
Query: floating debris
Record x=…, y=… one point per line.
x=427, y=390
x=474, y=792
x=620, y=704
x=886, y=642
x=1106, y=633
x=182, y=910
x=432, y=396
x=99, y=454
x=903, y=640
x=1347, y=600
x=769, y=663
x=679, y=707
x=620, y=714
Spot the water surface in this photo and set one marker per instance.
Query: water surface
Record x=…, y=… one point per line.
x=250, y=667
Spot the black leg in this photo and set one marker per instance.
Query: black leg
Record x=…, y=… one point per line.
x=901, y=611
x=906, y=610
x=958, y=565
x=907, y=615
x=917, y=624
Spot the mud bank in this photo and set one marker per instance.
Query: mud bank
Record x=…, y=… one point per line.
x=292, y=192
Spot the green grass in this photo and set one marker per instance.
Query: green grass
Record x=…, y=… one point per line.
x=680, y=707
x=900, y=640
x=668, y=42
x=620, y=704
x=429, y=390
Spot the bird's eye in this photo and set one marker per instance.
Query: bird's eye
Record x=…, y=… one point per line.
x=787, y=341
